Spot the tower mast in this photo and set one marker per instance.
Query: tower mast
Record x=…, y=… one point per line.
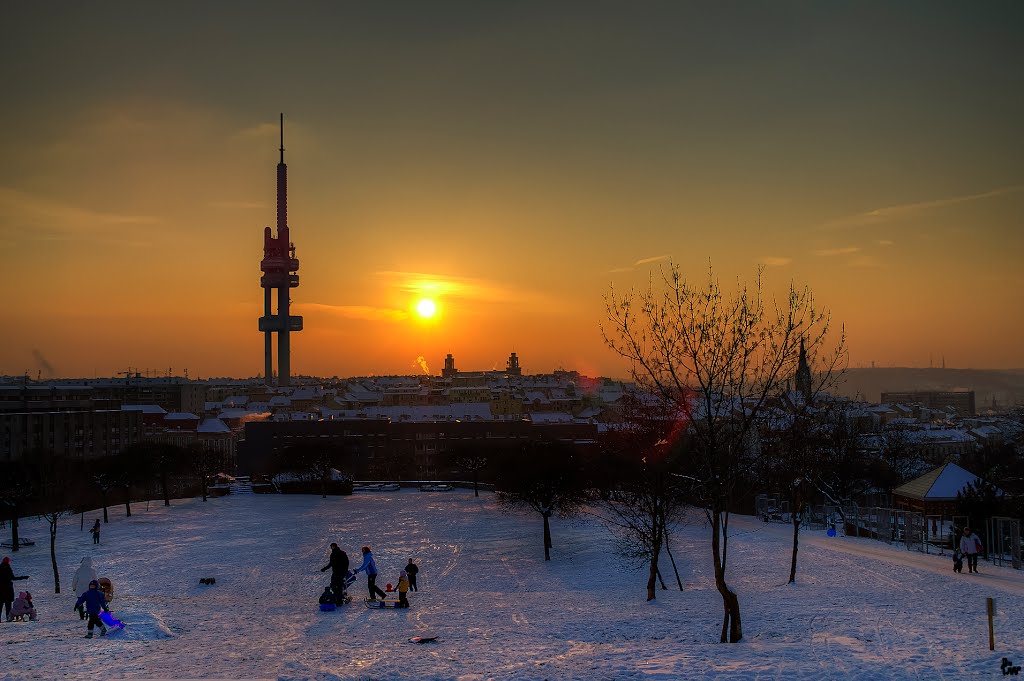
x=280, y=268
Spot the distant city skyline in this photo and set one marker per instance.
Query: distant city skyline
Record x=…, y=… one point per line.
x=508, y=163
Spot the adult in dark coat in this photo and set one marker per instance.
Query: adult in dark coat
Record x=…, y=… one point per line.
x=338, y=564
x=7, y=580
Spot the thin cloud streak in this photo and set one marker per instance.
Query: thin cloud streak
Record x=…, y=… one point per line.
x=908, y=209
x=638, y=263
x=459, y=288
x=364, y=312
x=40, y=218
x=645, y=261
x=238, y=204
x=775, y=261
x=830, y=252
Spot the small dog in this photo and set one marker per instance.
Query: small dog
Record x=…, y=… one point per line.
x=958, y=561
x=208, y=580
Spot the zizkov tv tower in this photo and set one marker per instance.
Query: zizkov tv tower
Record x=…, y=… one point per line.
x=279, y=266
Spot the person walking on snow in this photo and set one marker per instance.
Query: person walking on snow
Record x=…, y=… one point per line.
x=370, y=566
x=412, y=570
x=338, y=564
x=403, y=590
x=970, y=546
x=7, y=580
x=94, y=601
x=80, y=582
x=95, y=532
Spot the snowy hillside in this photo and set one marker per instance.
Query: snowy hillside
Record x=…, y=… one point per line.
x=862, y=610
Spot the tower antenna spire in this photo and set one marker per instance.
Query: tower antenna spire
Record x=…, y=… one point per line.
x=282, y=138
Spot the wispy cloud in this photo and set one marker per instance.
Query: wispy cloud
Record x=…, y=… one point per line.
x=645, y=261
x=365, y=312
x=38, y=217
x=639, y=263
x=244, y=205
x=830, y=252
x=909, y=209
x=775, y=261
x=884, y=242
x=459, y=288
x=260, y=130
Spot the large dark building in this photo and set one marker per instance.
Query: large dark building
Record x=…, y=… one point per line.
x=65, y=420
x=422, y=447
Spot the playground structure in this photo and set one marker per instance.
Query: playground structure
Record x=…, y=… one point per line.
x=932, y=534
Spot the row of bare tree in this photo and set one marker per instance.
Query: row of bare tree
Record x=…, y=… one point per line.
x=49, y=485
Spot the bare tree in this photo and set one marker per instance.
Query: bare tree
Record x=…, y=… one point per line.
x=474, y=463
x=57, y=481
x=546, y=478
x=15, y=493
x=717, y=358
x=642, y=491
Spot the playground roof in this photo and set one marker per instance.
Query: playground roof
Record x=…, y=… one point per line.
x=940, y=484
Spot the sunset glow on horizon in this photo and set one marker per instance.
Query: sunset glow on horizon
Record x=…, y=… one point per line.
x=472, y=178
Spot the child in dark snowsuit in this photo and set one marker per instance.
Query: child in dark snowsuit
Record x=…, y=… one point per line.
x=958, y=561
x=95, y=532
x=412, y=570
x=94, y=601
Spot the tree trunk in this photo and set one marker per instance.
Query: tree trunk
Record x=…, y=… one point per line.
x=105, y=518
x=797, y=517
x=53, y=555
x=673, y=560
x=476, y=489
x=732, y=629
x=204, y=487
x=547, y=536
x=128, y=502
x=654, y=573
x=15, y=539
x=163, y=485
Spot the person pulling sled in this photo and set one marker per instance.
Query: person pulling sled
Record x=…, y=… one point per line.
x=94, y=602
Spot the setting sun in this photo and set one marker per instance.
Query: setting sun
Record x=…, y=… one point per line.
x=426, y=308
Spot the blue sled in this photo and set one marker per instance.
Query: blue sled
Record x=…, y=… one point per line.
x=110, y=620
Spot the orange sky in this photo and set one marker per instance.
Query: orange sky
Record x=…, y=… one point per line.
x=513, y=161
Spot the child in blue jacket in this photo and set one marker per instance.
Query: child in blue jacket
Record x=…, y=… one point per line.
x=94, y=601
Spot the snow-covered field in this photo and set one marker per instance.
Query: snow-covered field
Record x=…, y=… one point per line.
x=861, y=610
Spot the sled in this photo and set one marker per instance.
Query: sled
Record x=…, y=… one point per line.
x=382, y=603
x=423, y=639
x=110, y=620
x=328, y=607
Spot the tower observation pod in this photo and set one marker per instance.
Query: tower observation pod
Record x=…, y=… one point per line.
x=279, y=267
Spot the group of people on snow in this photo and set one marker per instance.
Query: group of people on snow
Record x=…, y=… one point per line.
x=339, y=566
x=9, y=606
x=92, y=598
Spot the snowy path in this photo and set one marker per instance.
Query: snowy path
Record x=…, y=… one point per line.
x=861, y=610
